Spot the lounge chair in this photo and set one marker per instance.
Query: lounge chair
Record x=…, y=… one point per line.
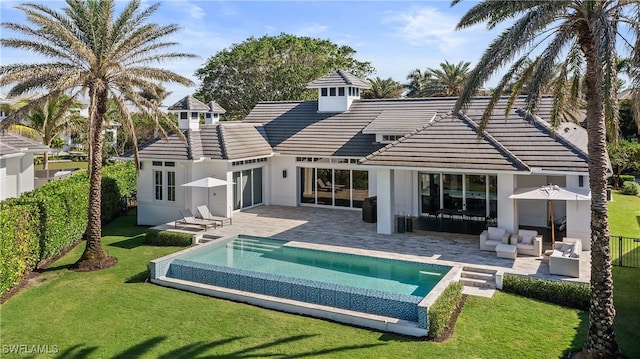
x=322, y=186
x=206, y=215
x=188, y=218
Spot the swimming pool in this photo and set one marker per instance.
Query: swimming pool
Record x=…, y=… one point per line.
x=309, y=276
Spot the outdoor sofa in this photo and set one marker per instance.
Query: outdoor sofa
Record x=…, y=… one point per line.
x=493, y=236
x=565, y=258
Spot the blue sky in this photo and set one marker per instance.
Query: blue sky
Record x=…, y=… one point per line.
x=395, y=36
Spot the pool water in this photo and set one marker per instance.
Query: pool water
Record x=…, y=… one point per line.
x=274, y=257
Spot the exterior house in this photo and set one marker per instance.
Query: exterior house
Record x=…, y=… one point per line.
x=16, y=164
x=415, y=155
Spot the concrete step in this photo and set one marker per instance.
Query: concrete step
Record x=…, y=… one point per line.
x=479, y=283
x=478, y=275
x=479, y=270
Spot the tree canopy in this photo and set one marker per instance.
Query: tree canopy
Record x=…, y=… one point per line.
x=383, y=88
x=92, y=49
x=272, y=68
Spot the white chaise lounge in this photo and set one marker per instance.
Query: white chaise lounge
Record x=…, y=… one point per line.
x=565, y=259
x=527, y=242
x=493, y=236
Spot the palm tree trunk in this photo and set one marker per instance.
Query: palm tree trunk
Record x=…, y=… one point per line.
x=94, y=256
x=601, y=340
x=45, y=161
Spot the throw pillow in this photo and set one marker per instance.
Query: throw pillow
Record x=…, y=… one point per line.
x=526, y=239
x=495, y=234
x=566, y=247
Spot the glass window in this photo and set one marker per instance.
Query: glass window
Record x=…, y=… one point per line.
x=194, y=115
x=360, y=189
x=237, y=193
x=257, y=186
x=246, y=188
x=340, y=91
x=430, y=193
x=207, y=115
x=171, y=186
x=323, y=91
x=493, y=196
x=452, y=191
x=323, y=182
x=307, y=185
x=342, y=187
x=157, y=184
x=157, y=163
x=476, y=194
x=183, y=115
x=332, y=91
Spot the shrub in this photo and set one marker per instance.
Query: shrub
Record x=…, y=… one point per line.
x=568, y=294
x=442, y=309
x=19, y=241
x=625, y=178
x=630, y=188
x=42, y=223
x=167, y=238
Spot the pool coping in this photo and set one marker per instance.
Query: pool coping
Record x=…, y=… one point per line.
x=361, y=319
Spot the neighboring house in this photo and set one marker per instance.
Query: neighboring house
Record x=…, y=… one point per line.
x=16, y=164
x=415, y=155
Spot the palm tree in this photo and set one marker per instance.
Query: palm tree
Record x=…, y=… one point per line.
x=449, y=79
x=418, y=83
x=96, y=51
x=579, y=39
x=383, y=88
x=50, y=120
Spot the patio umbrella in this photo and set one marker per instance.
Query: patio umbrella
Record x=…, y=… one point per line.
x=208, y=183
x=550, y=193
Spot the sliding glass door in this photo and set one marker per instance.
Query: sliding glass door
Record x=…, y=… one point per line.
x=333, y=187
x=247, y=188
x=473, y=194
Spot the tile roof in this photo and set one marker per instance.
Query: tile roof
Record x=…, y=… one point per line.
x=510, y=142
x=10, y=143
x=339, y=78
x=216, y=108
x=188, y=103
x=220, y=141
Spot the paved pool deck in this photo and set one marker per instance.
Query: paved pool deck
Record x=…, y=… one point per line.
x=345, y=228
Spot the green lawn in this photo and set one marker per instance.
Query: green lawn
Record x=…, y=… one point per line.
x=115, y=313
x=63, y=165
x=624, y=215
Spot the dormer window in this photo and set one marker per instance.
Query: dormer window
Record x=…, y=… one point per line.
x=183, y=115
x=207, y=115
x=194, y=115
x=340, y=91
x=323, y=92
x=215, y=115
x=332, y=91
x=390, y=138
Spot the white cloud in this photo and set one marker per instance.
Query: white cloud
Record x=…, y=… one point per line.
x=426, y=26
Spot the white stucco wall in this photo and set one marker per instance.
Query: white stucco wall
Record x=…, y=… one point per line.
x=406, y=195
x=16, y=175
x=507, y=207
x=153, y=212
x=386, y=211
x=579, y=214
x=282, y=191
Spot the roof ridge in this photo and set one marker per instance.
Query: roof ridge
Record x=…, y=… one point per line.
x=546, y=126
x=221, y=141
x=403, y=138
x=494, y=142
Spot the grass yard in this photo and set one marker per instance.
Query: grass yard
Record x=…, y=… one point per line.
x=63, y=165
x=624, y=220
x=114, y=314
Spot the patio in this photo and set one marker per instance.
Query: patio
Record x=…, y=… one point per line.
x=345, y=228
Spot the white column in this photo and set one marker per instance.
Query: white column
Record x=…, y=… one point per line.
x=579, y=214
x=507, y=208
x=385, y=195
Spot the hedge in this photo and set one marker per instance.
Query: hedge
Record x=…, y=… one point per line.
x=19, y=241
x=166, y=238
x=442, y=309
x=42, y=223
x=630, y=188
x=568, y=294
